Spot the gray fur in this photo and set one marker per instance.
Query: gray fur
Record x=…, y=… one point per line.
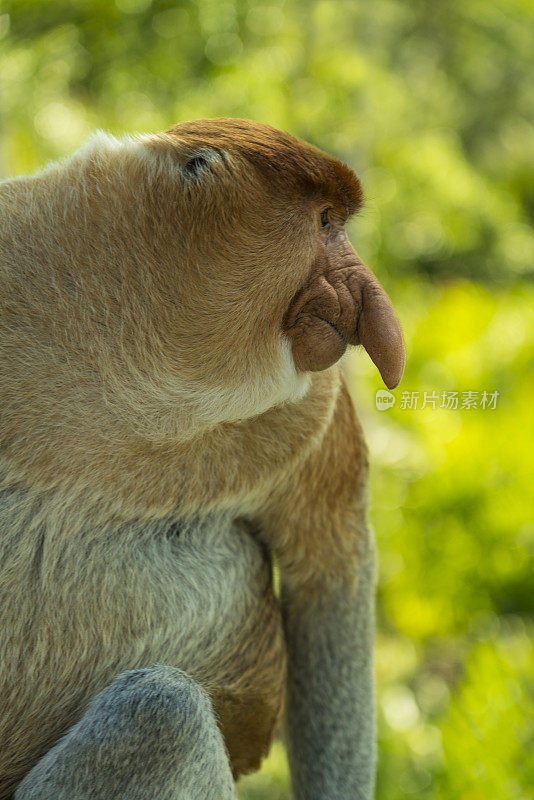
x=331, y=728
x=169, y=594
x=151, y=734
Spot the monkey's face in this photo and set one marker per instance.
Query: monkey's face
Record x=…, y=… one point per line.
x=269, y=257
x=342, y=303
x=213, y=273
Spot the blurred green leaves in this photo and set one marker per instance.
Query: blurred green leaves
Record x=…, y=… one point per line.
x=453, y=509
x=433, y=105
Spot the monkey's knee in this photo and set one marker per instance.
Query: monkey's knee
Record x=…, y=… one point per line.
x=155, y=709
x=150, y=734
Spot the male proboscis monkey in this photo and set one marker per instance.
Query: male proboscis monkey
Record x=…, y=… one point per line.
x=173, y=308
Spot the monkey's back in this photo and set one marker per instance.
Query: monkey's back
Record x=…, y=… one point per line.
x=89, y=604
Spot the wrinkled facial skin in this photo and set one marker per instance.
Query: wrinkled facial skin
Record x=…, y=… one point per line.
x=342, y=303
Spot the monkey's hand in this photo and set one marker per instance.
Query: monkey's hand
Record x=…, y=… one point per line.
x=318, y=530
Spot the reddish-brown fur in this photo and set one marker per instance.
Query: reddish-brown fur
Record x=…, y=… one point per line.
x=290, y=165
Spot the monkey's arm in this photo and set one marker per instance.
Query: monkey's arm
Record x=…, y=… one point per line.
x=326, y=556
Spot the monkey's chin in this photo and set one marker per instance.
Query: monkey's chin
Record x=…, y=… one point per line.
x=250, y=394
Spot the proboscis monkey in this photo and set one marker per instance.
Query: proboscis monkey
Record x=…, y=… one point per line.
x=172, y=311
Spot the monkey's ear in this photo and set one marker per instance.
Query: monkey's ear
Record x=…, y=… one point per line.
x=379, y=329
x=196, y=165
x=201, y=162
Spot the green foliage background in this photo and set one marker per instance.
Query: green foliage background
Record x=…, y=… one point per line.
x=432, y=104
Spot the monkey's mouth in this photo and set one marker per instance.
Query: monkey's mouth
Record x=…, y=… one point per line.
x=317, y=340
x=336, y=329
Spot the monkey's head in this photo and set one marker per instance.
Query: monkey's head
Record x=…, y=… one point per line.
x=270, y=271
x=206, y=267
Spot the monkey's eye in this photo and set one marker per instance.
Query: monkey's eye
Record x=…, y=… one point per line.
x=324, y=218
